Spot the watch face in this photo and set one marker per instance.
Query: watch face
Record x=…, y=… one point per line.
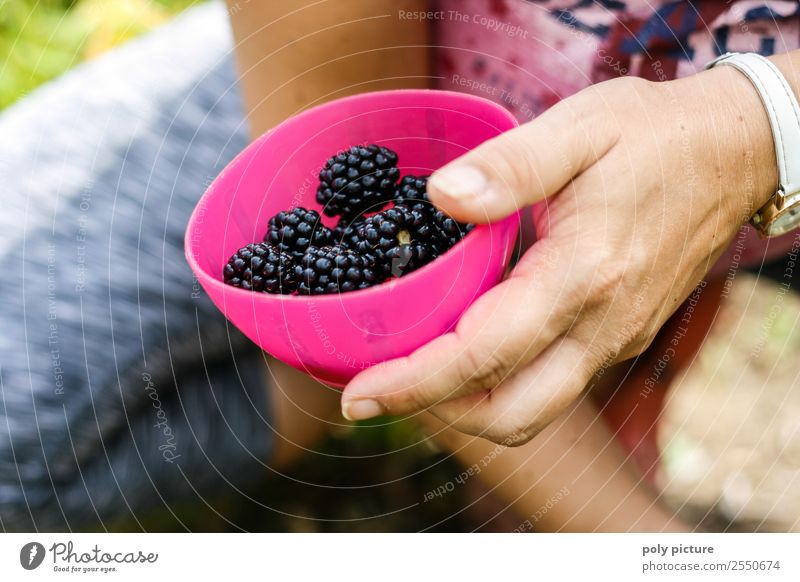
x=785, y=221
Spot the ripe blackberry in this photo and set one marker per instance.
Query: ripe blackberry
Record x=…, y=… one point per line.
x=397, y=225
x=335, y=269
x=348, y=233
x=295, y=230
x=451, y=231
x=401, y=239
x=362, y=178
x=412, y=191
x=261, y=267
x=403, y=259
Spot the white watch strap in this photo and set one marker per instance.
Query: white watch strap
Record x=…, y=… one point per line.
x=782, y=109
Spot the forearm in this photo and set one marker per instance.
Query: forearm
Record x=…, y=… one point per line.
x=574, y=476
x=745, y=144
x=297, y=53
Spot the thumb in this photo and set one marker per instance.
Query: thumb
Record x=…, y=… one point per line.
x=522, y=166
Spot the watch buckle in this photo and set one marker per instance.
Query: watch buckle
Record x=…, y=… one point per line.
x=784, y=197
x=779, y=200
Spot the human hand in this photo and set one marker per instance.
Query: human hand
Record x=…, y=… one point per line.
x=640, y=187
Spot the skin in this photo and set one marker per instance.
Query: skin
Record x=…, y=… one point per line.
x=293, y=55
x=299, y=53
x=296, y=54
x=638, y=188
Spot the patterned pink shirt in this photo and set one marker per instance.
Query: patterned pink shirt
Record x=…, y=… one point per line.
x=528, y=55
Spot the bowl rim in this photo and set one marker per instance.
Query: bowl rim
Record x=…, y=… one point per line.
x=205, y=277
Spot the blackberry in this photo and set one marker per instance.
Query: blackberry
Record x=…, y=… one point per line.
x=397, y=225
x=261, y=267
x=400, y=239
x=335, y=269
x=348, y=233
x=451, y=231
x=403, y=259
x=359, y=179
x=295, y=230
x=412, y=191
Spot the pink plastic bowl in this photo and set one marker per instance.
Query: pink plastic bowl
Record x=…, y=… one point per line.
x=333, y=337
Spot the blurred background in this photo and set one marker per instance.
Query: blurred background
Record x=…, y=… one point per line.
x=729, y=435
x=41, y=39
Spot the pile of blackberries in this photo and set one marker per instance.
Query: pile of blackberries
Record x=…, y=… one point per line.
x=387, y=228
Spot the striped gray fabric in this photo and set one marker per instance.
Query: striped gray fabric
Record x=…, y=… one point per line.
x=122, y=388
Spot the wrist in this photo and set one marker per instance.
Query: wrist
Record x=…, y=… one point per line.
x=748, y=166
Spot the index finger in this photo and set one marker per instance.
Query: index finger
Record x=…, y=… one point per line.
x=499, y=333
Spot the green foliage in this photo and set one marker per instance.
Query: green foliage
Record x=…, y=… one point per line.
x=41, y=39
x=38, y=41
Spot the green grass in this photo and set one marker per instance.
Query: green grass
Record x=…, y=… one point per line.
x=42, y=39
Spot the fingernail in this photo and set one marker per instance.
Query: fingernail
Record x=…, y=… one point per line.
x=361, y=409
x=460, y=182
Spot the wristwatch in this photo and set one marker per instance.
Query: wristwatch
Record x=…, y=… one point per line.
x=782, y=212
